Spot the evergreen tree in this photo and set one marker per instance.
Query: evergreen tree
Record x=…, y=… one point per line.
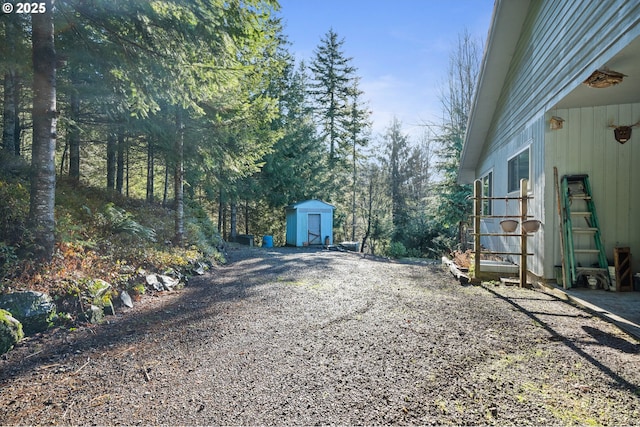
x=453, y=204
x=331, y=87
x=397, y=147
x=358, y=128
x=14, y=50
x=294, y=170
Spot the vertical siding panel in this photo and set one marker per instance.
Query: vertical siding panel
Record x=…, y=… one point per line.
x=587, y=143
x=623, y=180
x=573, y=150
x=634, y=211
x=540, y=189
x=551, y=220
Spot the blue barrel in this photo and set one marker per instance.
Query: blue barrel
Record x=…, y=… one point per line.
x=267, y=241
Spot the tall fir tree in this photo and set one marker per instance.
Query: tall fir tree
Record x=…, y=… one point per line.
x=43, y=176
x=357, y=126
x=397, y=146
x=331, y=87
x=453, y=204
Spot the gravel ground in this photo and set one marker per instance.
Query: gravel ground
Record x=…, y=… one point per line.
x=295, y=337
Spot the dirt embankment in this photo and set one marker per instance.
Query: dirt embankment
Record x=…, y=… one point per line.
x=288, y=336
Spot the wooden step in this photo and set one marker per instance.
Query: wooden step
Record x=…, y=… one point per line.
x=593, y=270
x=586, y=251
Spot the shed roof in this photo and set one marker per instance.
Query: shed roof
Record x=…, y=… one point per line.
x=309, y=203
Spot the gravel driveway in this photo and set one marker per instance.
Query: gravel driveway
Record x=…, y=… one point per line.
x=291, y=337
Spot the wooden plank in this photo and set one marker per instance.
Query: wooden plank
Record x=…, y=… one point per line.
x=622, y=260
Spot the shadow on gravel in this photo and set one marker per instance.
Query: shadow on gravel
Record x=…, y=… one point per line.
x=181, y=310
x=608, y=340
x=601, y=337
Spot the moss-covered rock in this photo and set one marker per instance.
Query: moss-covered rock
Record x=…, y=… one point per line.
x=100, y=293
x=34, y=310
x=10, y=331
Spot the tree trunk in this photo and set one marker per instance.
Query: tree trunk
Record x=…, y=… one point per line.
x=9, y=112
x=165, y=193
x=246, y=217
x=18, y=128
x=74, y=138
x=43, y=174
x=127, y=169
x=369, y=215
x=224, y=234
x=10, y=105
x=233, y=222
x=220, y=214
x=63, y=158
x=353, y=195
x=111, y=160
x=120, y=166
x=178, y=180
x=150, y=170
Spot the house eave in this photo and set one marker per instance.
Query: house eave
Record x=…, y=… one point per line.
x=504, y=33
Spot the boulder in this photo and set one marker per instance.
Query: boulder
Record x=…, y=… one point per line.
x=10, y=331
x=152, y=280
x=198, y=269
x=126, y=299
x=34, y=310
x=98, y=288
x=95, y=314
x=100, y=295
x=164, y=282
x=168, y=282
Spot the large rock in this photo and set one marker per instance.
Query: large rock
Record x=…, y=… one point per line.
x=100, y=296
x=34, y=310
x=152, y=280
x=126, y=299
x=10, y=331
x=164, y=282
x=95, y=314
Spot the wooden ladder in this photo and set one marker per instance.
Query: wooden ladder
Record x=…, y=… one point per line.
x=583, y=256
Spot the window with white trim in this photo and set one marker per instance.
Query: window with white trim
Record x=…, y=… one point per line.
x=517, y=169
x=487, y=191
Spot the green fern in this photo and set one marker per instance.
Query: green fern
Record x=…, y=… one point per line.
x=118, y=221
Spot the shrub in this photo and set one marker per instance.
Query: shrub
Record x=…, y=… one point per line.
x=13, y=211
x=396, y=250
x=8, y=259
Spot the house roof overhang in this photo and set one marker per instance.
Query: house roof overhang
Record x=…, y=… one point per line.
x=621, y=54
x=504, y=32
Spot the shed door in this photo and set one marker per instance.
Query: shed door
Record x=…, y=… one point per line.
x=314, y=229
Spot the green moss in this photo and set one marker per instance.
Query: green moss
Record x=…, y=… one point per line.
x=10, y=331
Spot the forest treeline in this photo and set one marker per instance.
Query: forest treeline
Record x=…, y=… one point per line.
x=180, y=102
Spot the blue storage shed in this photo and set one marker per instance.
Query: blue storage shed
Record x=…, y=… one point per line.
x=309, y=223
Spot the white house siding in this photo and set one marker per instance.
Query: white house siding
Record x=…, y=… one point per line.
x=586, y=145
x=560, y=45
x=533, y=137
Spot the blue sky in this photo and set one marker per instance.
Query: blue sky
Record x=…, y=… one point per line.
x=401, y=48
